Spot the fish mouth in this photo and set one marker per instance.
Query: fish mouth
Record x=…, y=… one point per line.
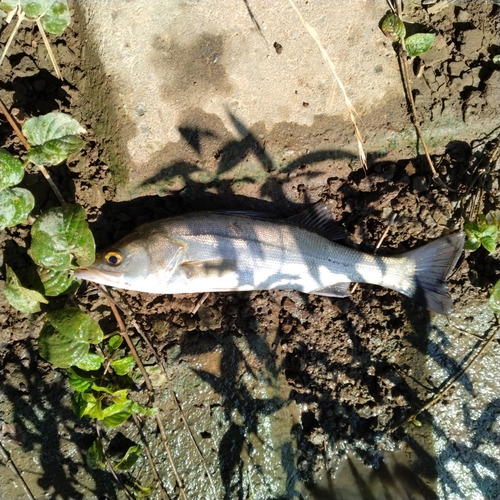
x=93, y=274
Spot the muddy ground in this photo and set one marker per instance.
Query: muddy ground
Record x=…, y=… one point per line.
x=336, y=375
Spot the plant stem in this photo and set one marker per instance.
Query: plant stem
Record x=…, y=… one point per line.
x=49, y=49
x=163, y=434
x=25, y=143
x=14, y=125
x=20, y=18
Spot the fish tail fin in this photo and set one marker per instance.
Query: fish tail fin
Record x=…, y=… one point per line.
x=433, y=263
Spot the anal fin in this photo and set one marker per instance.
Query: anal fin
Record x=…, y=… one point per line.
x=335, y=290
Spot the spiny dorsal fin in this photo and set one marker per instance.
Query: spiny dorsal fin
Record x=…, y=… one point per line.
x=318, y=218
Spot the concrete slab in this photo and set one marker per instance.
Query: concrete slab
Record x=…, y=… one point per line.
x=229, y=67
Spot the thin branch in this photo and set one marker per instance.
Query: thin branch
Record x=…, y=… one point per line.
x=5, y=455
x=164, y=369
x=156, y=477
x=448, y=386
x=25, y=143
x=147, y=380
x=14, y=125
x=350, y=107
x=49, y=49
x=20, y=18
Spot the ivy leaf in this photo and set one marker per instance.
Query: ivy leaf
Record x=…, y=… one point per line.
x=35, y=8
x=393, y=27
x=56, y=150
x=90, y=362
x=419, y=43
x=95, y=456
x=129, y=459
x=94, y=406
x=494, y=300
x=57, y=18
x=19, y=297
x=124, y=365
x=79, y=382
x=8, y=6
x=11, y=169
x=53, y=137
x=61, y=239
x=15, y=206
x=55, y=282
x=117, y=413
x=115, y=342
x=66, y=336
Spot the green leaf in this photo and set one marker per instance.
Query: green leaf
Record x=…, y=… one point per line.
x=472, y=244
x=117, y=413
x=93, y=408
x=66, y=336
x=57, y=18
x=79, y=382
x=23, y=299
x=419, y=43
x=95, y=456
x=41, y=129
x=393, y=27
x=53, y=138
x=100, y=388
x=129, y=459
x=8, y=5
x=494, y=300
x=496, y=59
x=61, y=239
x=90, y=362
x=143, y=410
x=55, y=151
x=141, y=491
x=55, y=282
x=35, y=8
x=11, y=169
x=15, y=206
x=124, y=365
x=115, y=342
x=489, y=243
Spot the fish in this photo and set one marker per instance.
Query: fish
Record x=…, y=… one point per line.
x=218, y=251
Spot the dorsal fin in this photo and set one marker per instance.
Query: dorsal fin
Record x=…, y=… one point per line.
x=318, y=218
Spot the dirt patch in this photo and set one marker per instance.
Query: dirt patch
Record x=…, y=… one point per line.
x=336, y=375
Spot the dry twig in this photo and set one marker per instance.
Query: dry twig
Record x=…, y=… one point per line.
x=25, y=143
x=350, y=107
x=147, y=380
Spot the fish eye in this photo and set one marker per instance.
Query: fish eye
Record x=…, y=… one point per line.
x=114, y=258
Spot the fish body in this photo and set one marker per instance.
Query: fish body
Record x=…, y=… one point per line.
x=217, y=251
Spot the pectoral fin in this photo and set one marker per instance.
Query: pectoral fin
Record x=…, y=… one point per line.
x=208, y=268
x=336, y=290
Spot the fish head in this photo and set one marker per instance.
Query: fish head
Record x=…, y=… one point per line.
x=136, y=262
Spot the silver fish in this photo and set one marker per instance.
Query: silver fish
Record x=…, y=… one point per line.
x=227, y=251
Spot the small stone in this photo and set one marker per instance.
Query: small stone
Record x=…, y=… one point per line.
x=419, y=184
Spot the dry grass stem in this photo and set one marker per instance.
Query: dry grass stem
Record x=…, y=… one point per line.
x=20, y=18
x=149, y=385
x=350, y=107
x=49, y=49
x=25, y=143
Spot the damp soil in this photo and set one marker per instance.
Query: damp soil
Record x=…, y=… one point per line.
x=339, y=374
